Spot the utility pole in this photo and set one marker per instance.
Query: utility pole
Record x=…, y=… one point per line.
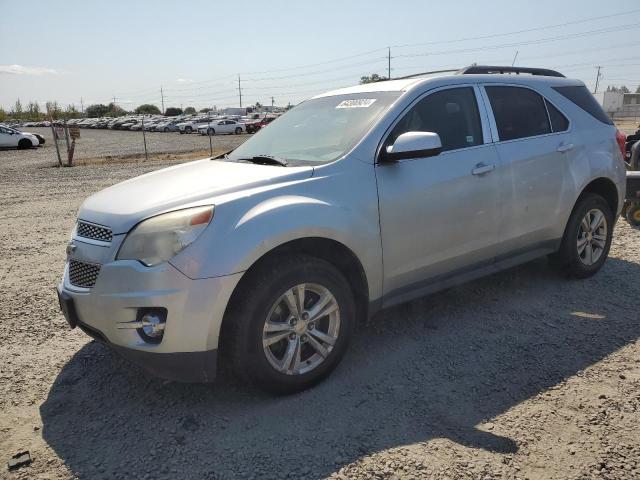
x=240, y=90
x=81, y=106
x=595, y=90
x=514, y=58
x=272, y=102
x=162, y=97
x=389, y=63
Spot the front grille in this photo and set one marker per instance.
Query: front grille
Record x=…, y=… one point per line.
x=83, y=274
x=95, y=232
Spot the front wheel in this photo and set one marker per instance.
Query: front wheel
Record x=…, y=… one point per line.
x=188, y=129
x=238, y=130
x=25, y=143
x=290, y=324
x=587, y=237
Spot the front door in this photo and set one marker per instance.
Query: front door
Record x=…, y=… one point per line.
x=6, y=138
x=439, y=215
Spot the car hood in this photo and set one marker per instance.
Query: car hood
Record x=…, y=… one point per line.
x=202, y=182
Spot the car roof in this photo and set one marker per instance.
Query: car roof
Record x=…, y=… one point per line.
x=446, y=78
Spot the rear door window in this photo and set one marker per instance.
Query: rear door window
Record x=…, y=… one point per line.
x=451, y=113
x=519, y=112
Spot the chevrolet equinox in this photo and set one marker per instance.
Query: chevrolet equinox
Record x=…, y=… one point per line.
x=355, y=200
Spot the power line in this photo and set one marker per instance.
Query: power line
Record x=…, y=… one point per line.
x=619, y=28
x=310, y=65
x=517, y=32
x=370, y=61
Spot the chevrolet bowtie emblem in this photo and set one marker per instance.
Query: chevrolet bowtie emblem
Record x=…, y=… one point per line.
x=71, y=247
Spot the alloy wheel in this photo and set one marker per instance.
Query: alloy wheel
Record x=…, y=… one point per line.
x=592, y=237
x=301, y=329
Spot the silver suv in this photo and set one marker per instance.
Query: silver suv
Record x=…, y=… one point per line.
x=353, y=201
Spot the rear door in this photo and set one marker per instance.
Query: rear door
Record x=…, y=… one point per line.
x=439, y=215
x=534, y=142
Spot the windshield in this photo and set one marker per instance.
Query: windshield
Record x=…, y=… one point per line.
x=318, y=130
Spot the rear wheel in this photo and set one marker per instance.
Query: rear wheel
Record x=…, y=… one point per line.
x=238, y=130
x=587, y=237
x=188, y=129
x=633, y=214
x=166, y=129
x=211, y=131
x=289, y=326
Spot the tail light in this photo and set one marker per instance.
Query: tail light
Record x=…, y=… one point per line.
x=621, y=139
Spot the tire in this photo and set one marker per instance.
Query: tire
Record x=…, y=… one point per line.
x=261, y=299
x=633, y=215
x=25, y=143
x=577, y=263
x=211, y=131
x=188, y=129
x=181, y=132
x=238, y=131
x=166, y=129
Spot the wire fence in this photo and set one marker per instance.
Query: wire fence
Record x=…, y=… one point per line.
x=74, y=146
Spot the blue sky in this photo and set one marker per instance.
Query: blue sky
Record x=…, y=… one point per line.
x=67, y=50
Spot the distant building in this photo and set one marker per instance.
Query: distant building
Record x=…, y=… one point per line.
x=618, y=104
x=233, y=111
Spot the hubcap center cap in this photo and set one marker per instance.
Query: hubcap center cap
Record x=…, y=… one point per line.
x=589, y=236
x=300, y=328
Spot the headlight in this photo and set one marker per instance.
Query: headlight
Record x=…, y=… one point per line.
x=160, y=238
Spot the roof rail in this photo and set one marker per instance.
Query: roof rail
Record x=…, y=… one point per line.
x=483, y=69
x=424, y=73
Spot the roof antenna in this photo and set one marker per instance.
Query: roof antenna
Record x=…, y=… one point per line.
x=514, y=58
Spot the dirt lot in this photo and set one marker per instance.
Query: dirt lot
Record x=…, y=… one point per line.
x=524, y=374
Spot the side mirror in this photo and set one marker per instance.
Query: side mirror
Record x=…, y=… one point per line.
x=413, y=145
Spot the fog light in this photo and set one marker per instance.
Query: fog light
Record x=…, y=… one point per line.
x=153, y=325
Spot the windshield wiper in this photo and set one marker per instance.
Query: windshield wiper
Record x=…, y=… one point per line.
x=266, y=160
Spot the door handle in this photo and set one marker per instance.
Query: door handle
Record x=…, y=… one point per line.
x=482, y=168
x=565, y=147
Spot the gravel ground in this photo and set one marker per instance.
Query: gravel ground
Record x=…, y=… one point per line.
x=524, y=374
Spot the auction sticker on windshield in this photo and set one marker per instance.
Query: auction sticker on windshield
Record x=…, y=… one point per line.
x=356, y=103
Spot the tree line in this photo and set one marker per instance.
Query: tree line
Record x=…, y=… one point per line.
x=53, y=111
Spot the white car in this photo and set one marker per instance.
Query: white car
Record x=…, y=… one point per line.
x=222, y=126
x=192, y=125
x=10, y=137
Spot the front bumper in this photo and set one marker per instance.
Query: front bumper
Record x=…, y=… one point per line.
x=195, y=309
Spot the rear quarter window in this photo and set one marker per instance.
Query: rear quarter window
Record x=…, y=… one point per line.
x=587, y=102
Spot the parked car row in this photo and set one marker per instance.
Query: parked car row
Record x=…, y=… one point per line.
x=205, y=124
